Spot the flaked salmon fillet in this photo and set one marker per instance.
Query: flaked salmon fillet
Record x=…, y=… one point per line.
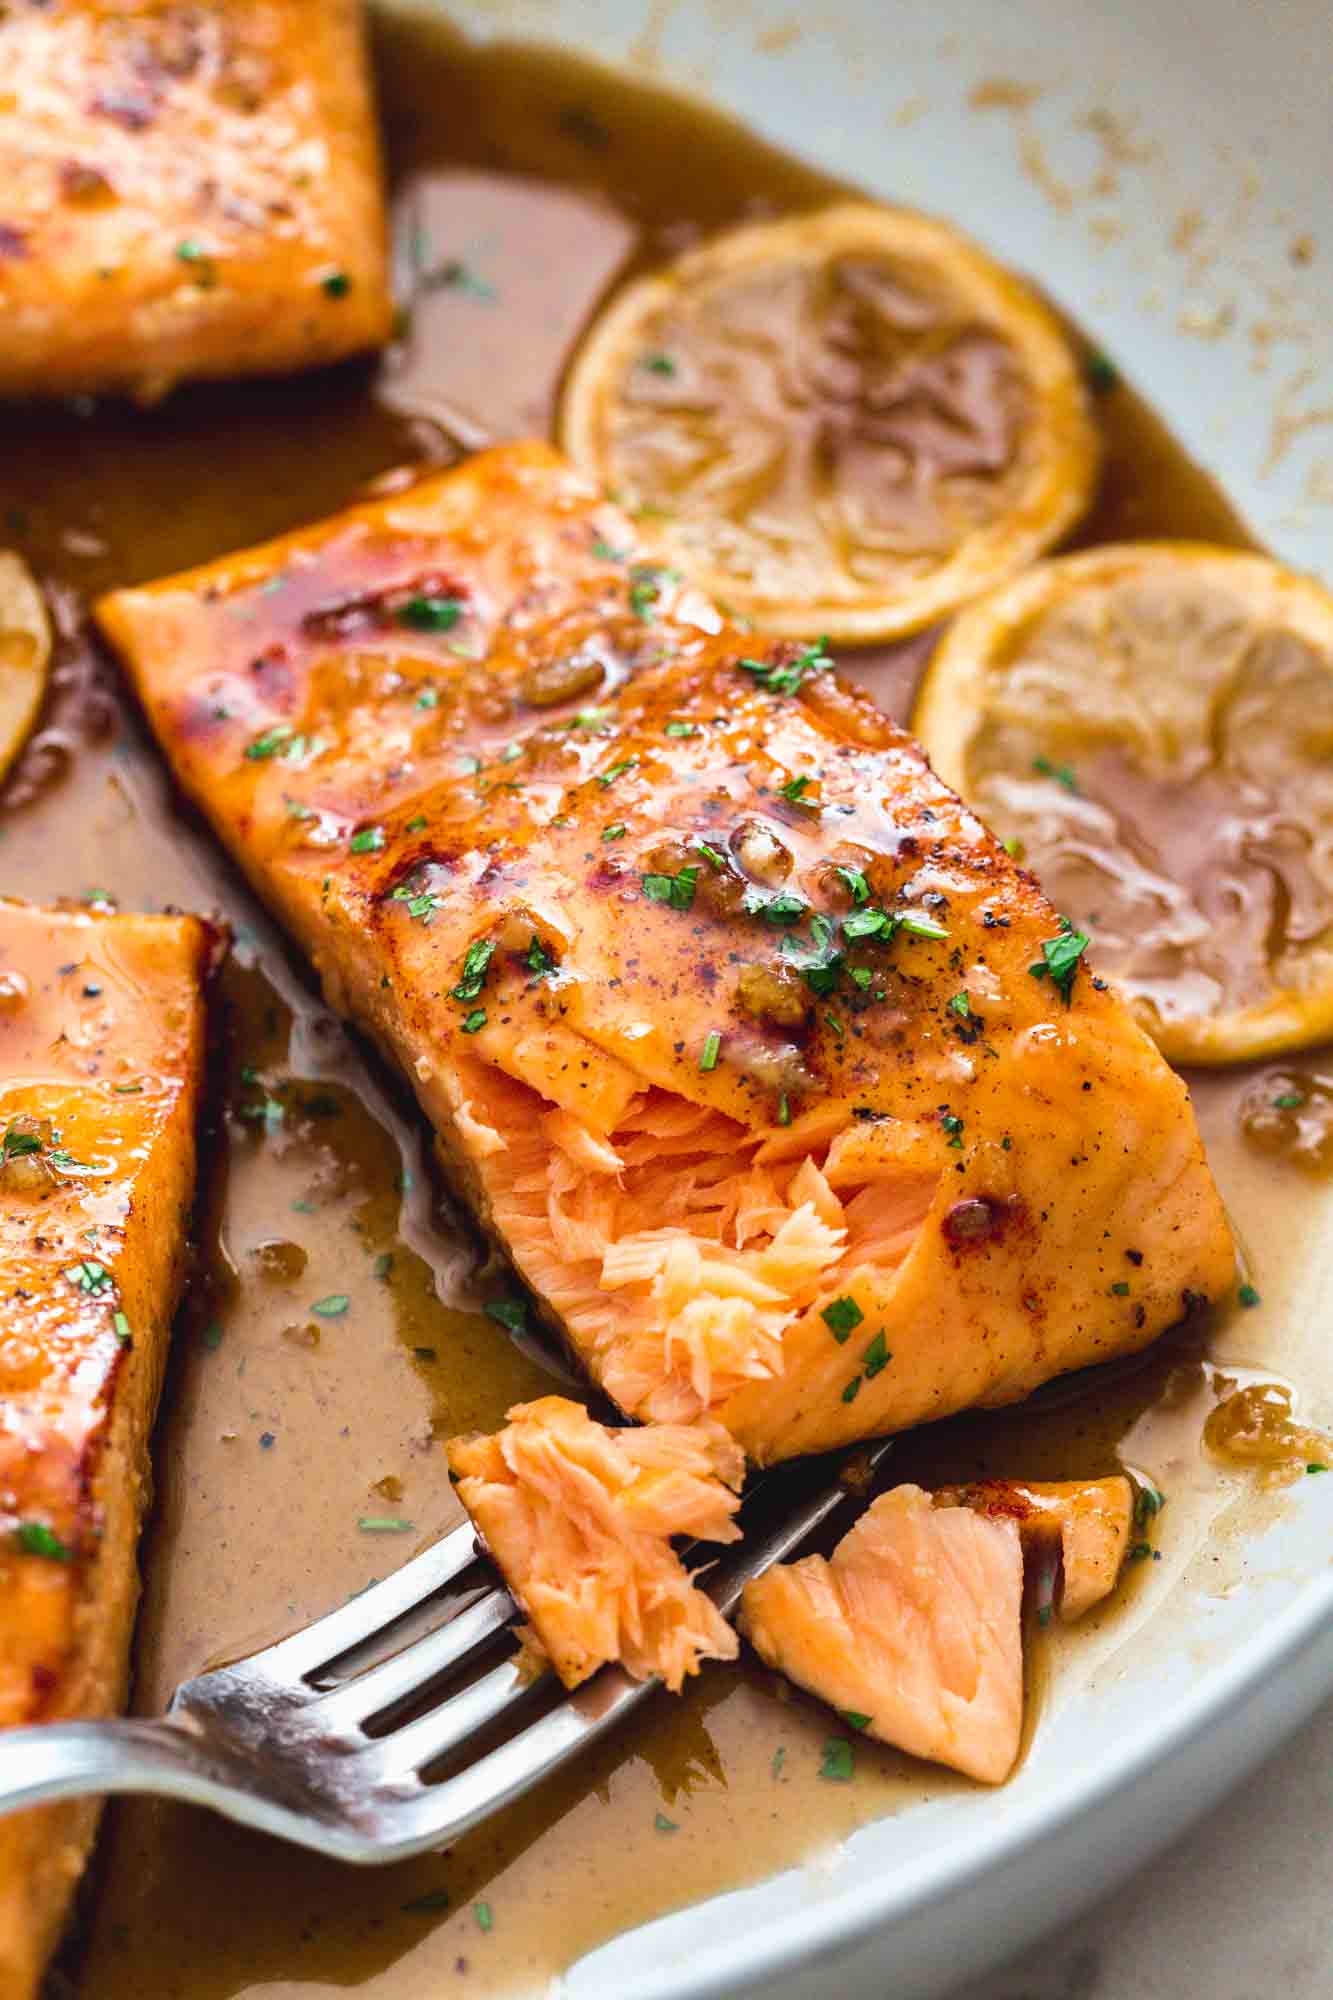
x=579, y=1519
x=783, y=1086
x=911, y=1630
x=185, y=190
x=101, y=1053
x=1083, y=1524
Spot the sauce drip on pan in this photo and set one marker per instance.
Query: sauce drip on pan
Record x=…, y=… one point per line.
x=333, y=1336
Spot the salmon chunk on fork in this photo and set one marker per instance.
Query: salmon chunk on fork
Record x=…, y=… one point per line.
x=101, y=1056
x=785, y=1089
x=185, y=190
x=579, y=1519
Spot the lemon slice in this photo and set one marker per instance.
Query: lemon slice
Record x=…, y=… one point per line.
x=846, y=422
x=25, y=655
x=1151, y=726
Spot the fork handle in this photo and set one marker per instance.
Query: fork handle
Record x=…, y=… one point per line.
x=73, y=1760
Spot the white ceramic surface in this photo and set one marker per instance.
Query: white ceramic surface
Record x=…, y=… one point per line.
x=1166, y=172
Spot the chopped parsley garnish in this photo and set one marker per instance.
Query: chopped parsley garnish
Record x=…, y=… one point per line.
x=616, y=831
x=960, y=1004
x=430, y=698
x=127, y=1089
x=876, y=1356
x=1121, y=1288
x=89, y=1276
x=336, y=284
x=1247, y=1295
x=779, y=1759
x=1316, y=1466
x=665, y=1825
x=854, y=1719
x=475, y=965
x=1102, y=373
x=1148, y=1503
x=954, y=1127
x=509, y=1312
x=856, y=884
x=885, y=925
x=416, y=825
x=333, y=1306
x=1062, y=773
x=36, y=1539
x=1060, y=959
x=711, y=1047
x=784, y=1110
x=778, y=678
x=677, y=891
x=645, y=588
x=795, y=789
x=1290, y=1100
x=842, y=1317
x=121, y=1322
x=384, y=1524
x=711, y=854
x=853, y=1390
x=273, y=743
x=605, y=778
x=821, y=975
x=474, y=1022
x=838, y=1761
x=431, y=614
x=190, y=252
x=605, y=552
x=659, y=364
x=16, y=1144
x=369, y=841
x=836, y=1025
x=781, y=910
x=482, y=1912
x=681, y=729
x=861, y=976
x=538, y=959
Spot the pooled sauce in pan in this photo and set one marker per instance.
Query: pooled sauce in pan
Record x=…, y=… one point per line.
x=332, y=1336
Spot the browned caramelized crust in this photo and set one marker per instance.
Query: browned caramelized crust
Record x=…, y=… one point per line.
x=784, y=1086
x=101, y=1050
x=185, y=190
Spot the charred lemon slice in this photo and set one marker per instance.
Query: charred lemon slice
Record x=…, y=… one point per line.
x=846, y=422
x=25, y=655
x=1154, y=724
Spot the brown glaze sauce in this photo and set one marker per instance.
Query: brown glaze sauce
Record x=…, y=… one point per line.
x=524, y=182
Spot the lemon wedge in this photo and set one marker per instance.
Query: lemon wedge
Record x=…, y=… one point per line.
x=1151, y=728
x=25, y=655
x=847, y=422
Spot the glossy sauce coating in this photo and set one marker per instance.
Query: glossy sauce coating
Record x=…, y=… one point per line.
x=284, y=1426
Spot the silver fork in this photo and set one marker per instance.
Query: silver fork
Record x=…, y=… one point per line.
x=303, y=1742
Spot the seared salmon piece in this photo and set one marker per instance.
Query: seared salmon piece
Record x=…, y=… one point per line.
x=579, y=1519
x=911, y=1629
x=784, y=1087
x=101, y=1053
x=185, y=190
x=1083, y=1523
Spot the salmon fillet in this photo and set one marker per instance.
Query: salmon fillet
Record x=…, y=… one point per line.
x=911, y=1629
x=1082, y=1523
x=579, y=1519
x=784, y=1087
x=101, y=1051
x=185, y=190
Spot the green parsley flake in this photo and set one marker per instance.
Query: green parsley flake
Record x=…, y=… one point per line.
x=1060, y=958
x=16, y=1144
x=677, y=891
x=1060, y=772
x=659, y=364
x=384, y=1524
x=369, y=841
x=1121, y=1288
x=511, y=1313
x=476, y=962
x=89, y=1276
x=605, y=778
x=474, y=1022
x=538, y=959
x=646, y=580
x=336, y=284
x=616, y=831
x=1247, y=1295
x=416, y=825
x=795, y=788
x=681, y=729
x=1148, y=1503
x=779, y=1759
x=876, y=1356
x=121, y=1323
x=960, y=1004
x=784, y=1110
x=36, y=1539
x=780, y=910
x=857, y=885
x=784, y=678
x=431, y=614
x=842, y=1317
x=853, y=1390
x=482, y=1912
x=838, y=1762
x=854, y=1718
x=713, y=855
x=1316, y=1466
x=1290, y=1100
x=712, y=1044
x=665, y=1825
x=331, y=1307
x=272, y=743
x=430, y=698
x=954, y=1127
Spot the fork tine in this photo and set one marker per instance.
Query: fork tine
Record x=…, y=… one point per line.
x=420, y=1742
x=357, y=1700
x=367, y=1614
